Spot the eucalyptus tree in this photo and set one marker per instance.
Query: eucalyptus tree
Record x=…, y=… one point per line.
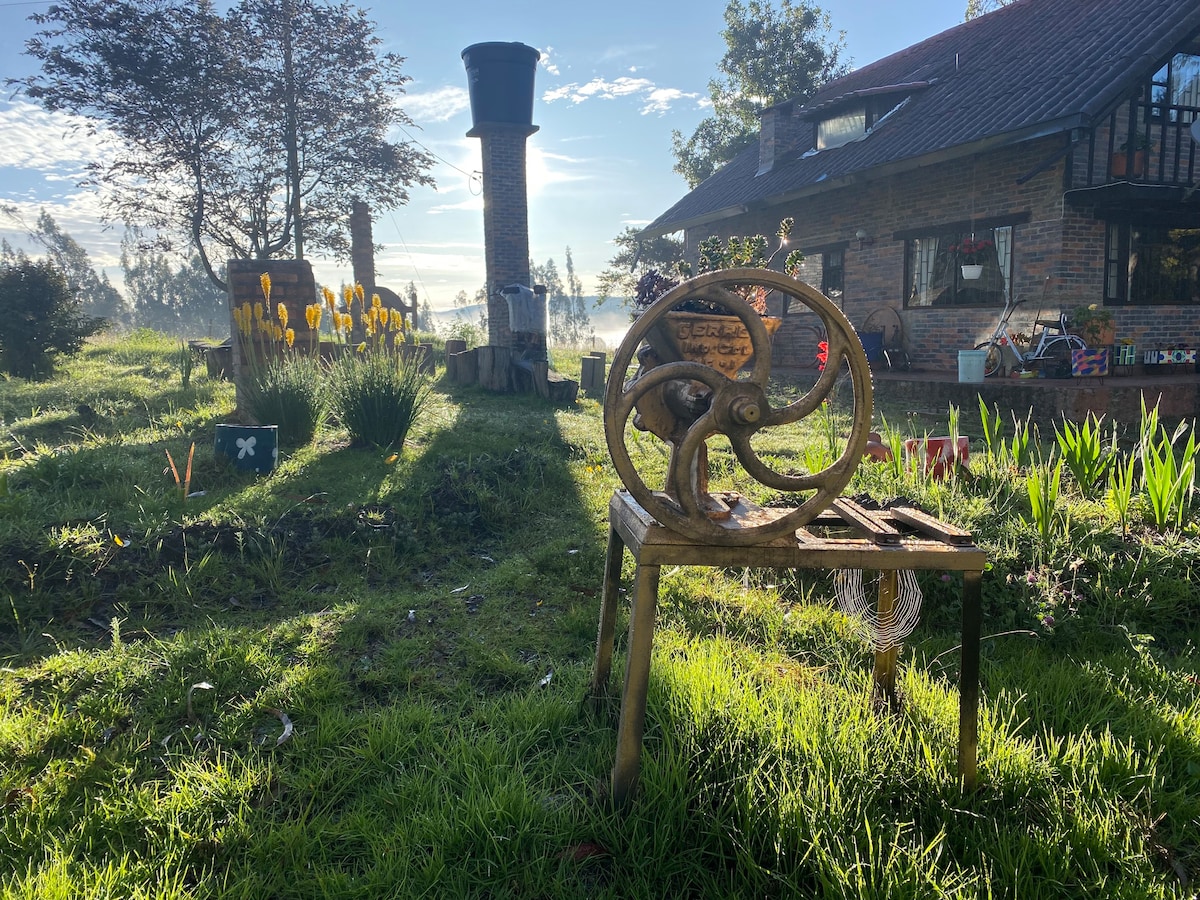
x=245, y=132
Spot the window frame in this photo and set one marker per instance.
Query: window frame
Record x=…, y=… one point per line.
x=957, y=292
x=1128, y=238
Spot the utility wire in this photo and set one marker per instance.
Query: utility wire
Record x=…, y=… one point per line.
x=473, y=178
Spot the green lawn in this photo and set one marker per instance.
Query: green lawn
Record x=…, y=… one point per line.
x=366, y=675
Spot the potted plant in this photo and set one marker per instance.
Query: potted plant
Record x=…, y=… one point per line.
x=703, y=329
x=1129, y=161
x=1094, y=324
x=971, y=255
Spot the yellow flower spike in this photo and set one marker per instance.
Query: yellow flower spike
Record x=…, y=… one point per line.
x=290, y=337
x=348, y=295
x=360, y=293
x=265, y=280
x=376, y=301
x=282, y=312
x=361, y=347
x=391, y=459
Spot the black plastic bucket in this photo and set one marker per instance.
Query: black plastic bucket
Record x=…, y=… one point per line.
x=500, y=79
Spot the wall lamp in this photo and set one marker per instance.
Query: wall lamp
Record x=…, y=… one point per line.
x=863, y=238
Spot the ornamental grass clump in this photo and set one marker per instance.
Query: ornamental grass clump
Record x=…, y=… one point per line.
x=377, y=395
x=288, y=393
x=284, y=386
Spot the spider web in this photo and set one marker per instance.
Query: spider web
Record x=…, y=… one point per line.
x=890, y=629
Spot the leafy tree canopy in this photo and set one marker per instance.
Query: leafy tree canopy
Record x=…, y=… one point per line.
x=773, y=54
x=979, y=7
x=247, y=132
x=634, y=258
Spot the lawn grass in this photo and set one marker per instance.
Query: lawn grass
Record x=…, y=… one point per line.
x=425, y=626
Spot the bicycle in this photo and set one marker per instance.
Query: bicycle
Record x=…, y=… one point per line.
x=1054, y=343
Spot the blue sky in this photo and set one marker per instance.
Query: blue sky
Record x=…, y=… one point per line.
x=614, y=80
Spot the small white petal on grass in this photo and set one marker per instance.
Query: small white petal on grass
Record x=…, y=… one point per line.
x=287, y=727
x=201, y=686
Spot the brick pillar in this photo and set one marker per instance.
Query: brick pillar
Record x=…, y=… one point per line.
x=362, y=246
x=505, y=219
x=292, y=284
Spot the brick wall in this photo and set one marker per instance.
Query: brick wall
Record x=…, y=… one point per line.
x=1054, y=239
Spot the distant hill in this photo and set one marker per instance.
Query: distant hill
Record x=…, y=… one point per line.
x=609, y=321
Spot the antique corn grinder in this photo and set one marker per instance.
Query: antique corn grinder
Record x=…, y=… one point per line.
x=702, y=376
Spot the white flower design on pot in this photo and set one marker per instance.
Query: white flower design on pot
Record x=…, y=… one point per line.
x=246, y=446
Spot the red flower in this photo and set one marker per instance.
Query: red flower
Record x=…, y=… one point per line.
x=822, y=355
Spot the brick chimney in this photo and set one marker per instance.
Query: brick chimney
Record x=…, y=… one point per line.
x=779, y=131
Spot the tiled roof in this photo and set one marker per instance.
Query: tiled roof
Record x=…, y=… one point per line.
x=1032, y=68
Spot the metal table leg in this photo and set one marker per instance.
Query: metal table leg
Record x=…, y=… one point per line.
x=968, y=680
x=637, y=680
x=608, y=613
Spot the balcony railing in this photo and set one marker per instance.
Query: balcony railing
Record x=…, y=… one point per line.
x=1143, y=142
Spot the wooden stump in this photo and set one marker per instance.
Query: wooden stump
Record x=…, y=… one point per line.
x=495, y=364
x=592, y=374
x=465, y=367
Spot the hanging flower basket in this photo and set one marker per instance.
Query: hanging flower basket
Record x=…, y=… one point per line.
x=972, y=272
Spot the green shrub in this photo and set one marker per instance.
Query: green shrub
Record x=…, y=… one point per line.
x=42, y=319
x=287, y=392
x=377, y=396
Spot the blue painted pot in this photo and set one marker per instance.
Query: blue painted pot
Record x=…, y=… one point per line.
x=251, y=448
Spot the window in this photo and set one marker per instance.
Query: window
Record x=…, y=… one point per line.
x=833, y=274
x=1149, y=264
x=1175, y=89
x=855, y=122
x=843, y=129
x=934, y=268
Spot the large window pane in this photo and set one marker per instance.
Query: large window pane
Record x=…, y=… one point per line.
x=1164, y=265
x=935, y=268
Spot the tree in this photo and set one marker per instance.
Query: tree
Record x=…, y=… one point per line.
x=979, y=7
x=635, y=256
x=95, y=293
x=42, y=319
x=169, y=294
x=771, y=55
x=578, y=324
x=247, y=132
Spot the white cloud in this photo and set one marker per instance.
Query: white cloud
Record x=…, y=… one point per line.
x=439, y=105
x=33, y=138
x=655, y=99
x=547, y=63
x=621, y=51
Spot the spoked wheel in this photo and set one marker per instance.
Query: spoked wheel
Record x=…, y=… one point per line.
x=991, y=365
x=730, y=404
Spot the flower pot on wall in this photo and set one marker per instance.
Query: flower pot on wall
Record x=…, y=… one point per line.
x=721, y=342
x=1123, y=166
x=971, y=272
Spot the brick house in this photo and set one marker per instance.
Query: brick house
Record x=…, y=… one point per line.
x=1062, y=134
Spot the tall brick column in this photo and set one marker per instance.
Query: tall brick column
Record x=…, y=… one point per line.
x=505, y=219
x=500, y=77
x=362, y=246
